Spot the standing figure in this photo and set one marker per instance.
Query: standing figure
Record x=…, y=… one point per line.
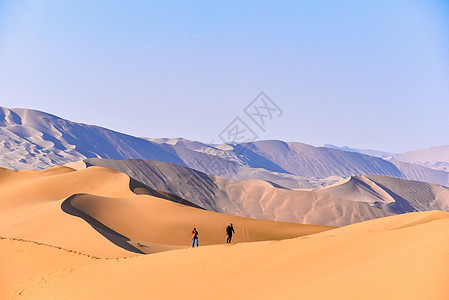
x=229, y=232
x=194, y=237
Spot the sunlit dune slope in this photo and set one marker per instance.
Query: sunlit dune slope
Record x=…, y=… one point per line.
x=94, y=211
x=26, y=264
x=251, y=198
x=30, y=206
x=399, y=257
x=146, y=218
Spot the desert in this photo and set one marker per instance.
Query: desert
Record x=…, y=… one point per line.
x=350, y=262
x=308, y=225
x=224, y=150
x=84, y=234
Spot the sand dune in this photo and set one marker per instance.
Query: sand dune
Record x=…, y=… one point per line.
x=400, y=257
x=37, y=140
x=33, y=139
x=399, y=195
x=248, y=198
x=433, y=157
x=146, y=218
x=94, y=211
x=356, y=199
x=30, y=206
x=422, y=173
x=370, y=152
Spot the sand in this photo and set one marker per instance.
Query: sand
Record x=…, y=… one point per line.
x=68, y=234
x=251, y=198
x=94, y=211
x=355, y=199
x=37, y=140
x=399, y=257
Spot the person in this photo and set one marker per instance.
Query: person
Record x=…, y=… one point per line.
x=194, y=237
x=229, y=232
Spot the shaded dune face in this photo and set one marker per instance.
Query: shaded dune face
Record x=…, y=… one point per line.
x=141, y=189
x=113, y=236
x=355, y=199
x=95, y=211
x=247, y=198
x=398, y=195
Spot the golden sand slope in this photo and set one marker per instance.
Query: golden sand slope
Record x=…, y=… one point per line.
x=400, y=257
x=30, y=207
x=94, y=211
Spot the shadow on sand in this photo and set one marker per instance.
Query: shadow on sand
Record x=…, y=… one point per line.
x=111, y=235
x=139, y=188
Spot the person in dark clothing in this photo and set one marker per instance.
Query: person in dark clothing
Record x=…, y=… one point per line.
x=194, y=237
x=229, y=232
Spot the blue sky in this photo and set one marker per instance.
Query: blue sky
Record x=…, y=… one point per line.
x=367, y=74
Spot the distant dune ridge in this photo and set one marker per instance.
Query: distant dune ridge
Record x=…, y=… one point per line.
x=434, y=157
x=37, y=140
x=257, y=180
x=370, y=152
x=356, y=199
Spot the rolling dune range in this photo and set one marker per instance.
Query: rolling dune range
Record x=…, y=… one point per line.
x=105, y=226
x=355, y=199
x=32, y=139
x=95, y=212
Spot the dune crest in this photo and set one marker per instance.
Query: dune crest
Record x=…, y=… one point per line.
x=337, y=264
x=38, y=140
x=95, y=211
x=355, y=199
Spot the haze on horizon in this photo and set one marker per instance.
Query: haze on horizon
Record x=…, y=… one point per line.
x=365, y=75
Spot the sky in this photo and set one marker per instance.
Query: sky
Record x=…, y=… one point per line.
x=365, y=74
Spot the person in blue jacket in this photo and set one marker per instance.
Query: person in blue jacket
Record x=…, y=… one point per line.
x=194, y=237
